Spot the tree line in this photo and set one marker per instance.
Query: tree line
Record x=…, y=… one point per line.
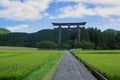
x=91, y=38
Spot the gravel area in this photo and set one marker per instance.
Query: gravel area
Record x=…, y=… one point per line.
x=71, y=69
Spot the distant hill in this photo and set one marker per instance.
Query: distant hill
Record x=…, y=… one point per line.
x=50, y=35
x=112, y=31
x=31, y=39
x=4, y=31
x=102, y=40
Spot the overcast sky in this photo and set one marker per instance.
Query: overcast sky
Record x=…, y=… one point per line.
x=34, y=15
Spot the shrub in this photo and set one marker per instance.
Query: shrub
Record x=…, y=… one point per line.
x=46, y=45
x=87, y=45
x=65, y=46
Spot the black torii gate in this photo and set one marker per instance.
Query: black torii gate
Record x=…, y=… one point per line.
x=68, y=24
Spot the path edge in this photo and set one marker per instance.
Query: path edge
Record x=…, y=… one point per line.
x=95, y=73
x=58, y=65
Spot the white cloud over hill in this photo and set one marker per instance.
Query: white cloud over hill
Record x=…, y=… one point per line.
x=36, y=9
x=17, y=28
x=27, y=10
x=103, y=8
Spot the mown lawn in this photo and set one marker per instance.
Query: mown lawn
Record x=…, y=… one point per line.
x=27, y=63
x=106, y=62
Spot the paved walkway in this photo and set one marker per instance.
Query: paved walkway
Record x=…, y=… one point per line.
x=71, y=69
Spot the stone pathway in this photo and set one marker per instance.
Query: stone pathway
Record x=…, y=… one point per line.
x=71, y=69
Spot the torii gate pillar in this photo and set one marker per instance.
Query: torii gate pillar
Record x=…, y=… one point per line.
x=59, y=35
x=78, y=28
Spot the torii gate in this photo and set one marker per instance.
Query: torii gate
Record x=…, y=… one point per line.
x=68, y=24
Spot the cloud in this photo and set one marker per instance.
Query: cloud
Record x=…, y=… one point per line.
x=112, y=25
x=76, y=11
x=103, y=8
x=103, y=2
x=27, y=10
x=17, y=28
x=22, y=10
x=114, y=20
x=107, y=11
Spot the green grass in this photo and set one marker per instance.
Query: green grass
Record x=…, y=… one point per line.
x=7, y=48
x=4, y=31
x=106, y=62
x=26, y=63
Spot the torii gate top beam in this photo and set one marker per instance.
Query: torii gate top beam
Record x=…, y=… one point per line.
x=71, y=24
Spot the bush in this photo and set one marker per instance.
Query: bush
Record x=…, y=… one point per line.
x=87, y=45
x=65, y=46
x=46, y=45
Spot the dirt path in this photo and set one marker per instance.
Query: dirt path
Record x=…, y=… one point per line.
x=71, y=69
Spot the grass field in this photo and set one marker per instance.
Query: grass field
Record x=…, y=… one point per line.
x=106, y=62
x=18, y=63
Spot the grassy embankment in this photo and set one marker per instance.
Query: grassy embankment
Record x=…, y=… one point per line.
x=107, y=62
x=17, y=63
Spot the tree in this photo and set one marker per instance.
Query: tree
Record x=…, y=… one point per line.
x=65, y=46
x=101, y=40
x=87, y=45
x=46, y=45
